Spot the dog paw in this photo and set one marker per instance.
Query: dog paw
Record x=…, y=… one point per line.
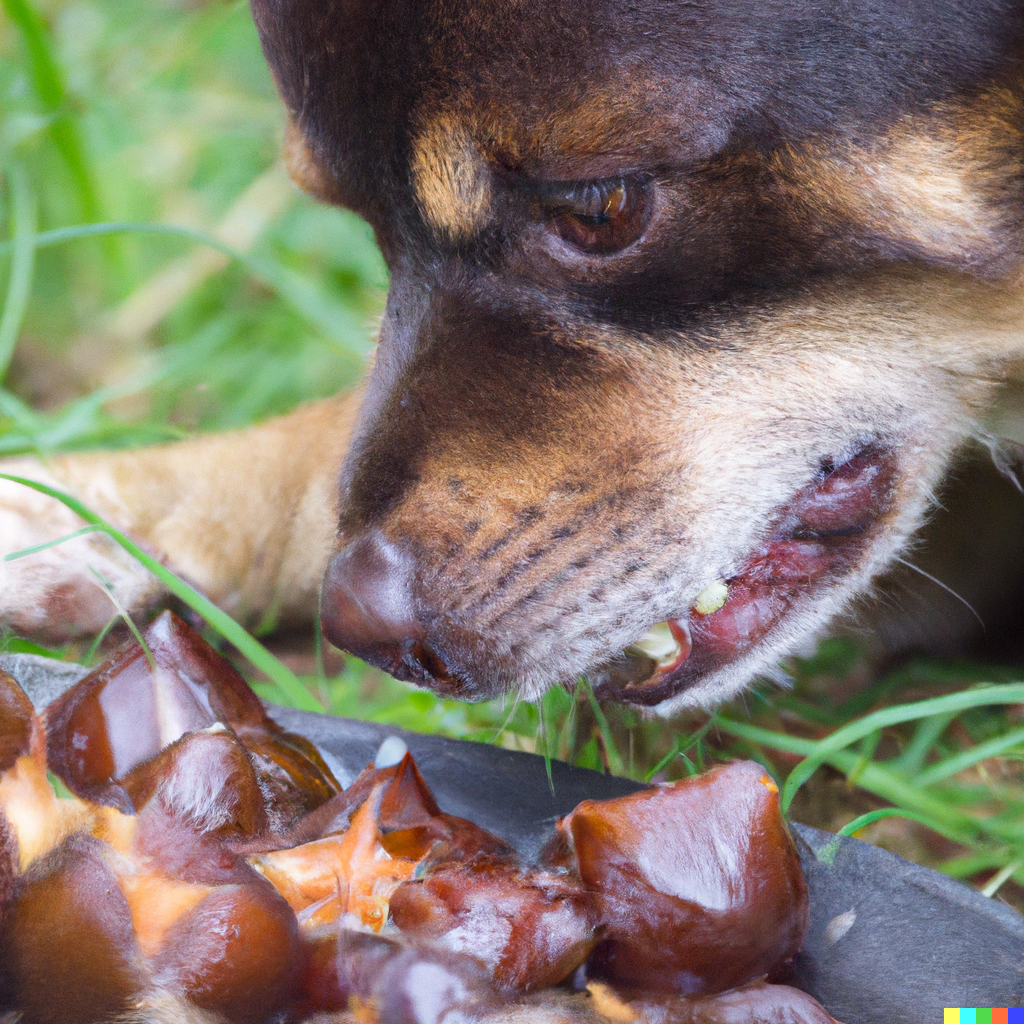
x=65, y=590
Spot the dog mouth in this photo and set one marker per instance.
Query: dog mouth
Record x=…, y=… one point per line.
x=818, y=537
x=824, y=532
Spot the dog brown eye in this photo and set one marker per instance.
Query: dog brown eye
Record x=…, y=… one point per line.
x=598, y=217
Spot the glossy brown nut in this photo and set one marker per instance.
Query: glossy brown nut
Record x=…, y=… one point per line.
x=125, y=712
x=424, y=986
x=335, y=816
x=16, y=715
x=207, y=799
x=530, y=929
x=698, y=885
x=338, y=964
x=446, y=839
x=207, y=780
x=758, y=1003
x=414, y=827
x=389, y=981
x=8, y=867
x=292, y=775
x=68, y=947
x=403, y=801
x=237, y=953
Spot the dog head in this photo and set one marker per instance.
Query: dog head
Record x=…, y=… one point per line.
x=690, y=305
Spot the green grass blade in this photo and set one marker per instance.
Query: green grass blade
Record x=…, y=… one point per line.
x=827, y=854
x=926, y=735
x=664, y=762
x=22, y=244
x=329, y=318
x=969, y=758
x=125, y=617
x=952, y=703
x=853, y=827
x=257, y=654
x=48, y=85
x=25, y=552
x=47, y=82
x=611, y=750
x=1001, y=878
x=98, y=640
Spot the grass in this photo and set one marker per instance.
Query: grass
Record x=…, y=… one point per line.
x=160, y=276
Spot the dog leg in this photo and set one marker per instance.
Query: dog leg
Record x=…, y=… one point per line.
x=247, y=517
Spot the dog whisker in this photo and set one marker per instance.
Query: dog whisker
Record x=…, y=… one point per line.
x=949, y=590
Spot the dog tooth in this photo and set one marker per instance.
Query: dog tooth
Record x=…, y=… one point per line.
x=658, y=644
x=711, y=598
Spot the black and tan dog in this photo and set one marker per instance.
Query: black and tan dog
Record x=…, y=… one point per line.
x=692, y=302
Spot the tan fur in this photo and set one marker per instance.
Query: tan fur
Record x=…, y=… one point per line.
x=947, y=183
x=557, y=511
x=450, y=179
x=305, y=169
x=248, y=517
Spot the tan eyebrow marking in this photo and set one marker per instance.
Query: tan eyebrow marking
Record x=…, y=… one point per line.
x=450, y=179
x=938, y=183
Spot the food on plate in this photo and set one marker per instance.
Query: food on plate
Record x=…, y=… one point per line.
x=139, y=701
x=717, y=900
x=207, y=867
x=530, y=928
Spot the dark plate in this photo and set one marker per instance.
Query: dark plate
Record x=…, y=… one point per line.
x=890, y=942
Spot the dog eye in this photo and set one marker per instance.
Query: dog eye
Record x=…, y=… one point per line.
x=596, y=217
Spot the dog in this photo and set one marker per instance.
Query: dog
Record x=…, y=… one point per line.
x=692, y=304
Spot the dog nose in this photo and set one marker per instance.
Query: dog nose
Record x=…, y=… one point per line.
x=368, y=609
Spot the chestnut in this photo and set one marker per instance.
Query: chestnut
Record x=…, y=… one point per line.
x=697, y=885
x=68, y=945
x=235, y=953
x=16, y=722
x=757, y=1003
x=35, y=820
x=530, y=929
x=206, y=781
x=8, y=866
x=127, y=710
x=391, y=981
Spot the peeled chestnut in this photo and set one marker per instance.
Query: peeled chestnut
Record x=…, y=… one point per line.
x=235, y=953
x=697, y=885
x=387, y=981
x=8, y=866
x=204, y=782
x=36, y=822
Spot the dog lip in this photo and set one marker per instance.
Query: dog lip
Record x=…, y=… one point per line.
x=817, y=538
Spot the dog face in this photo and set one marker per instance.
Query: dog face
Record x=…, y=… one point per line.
x=689, y=302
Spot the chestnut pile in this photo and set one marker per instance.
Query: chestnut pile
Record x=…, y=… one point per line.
x=169, y=854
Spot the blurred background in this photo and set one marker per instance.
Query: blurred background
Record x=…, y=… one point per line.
x=160, y=275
